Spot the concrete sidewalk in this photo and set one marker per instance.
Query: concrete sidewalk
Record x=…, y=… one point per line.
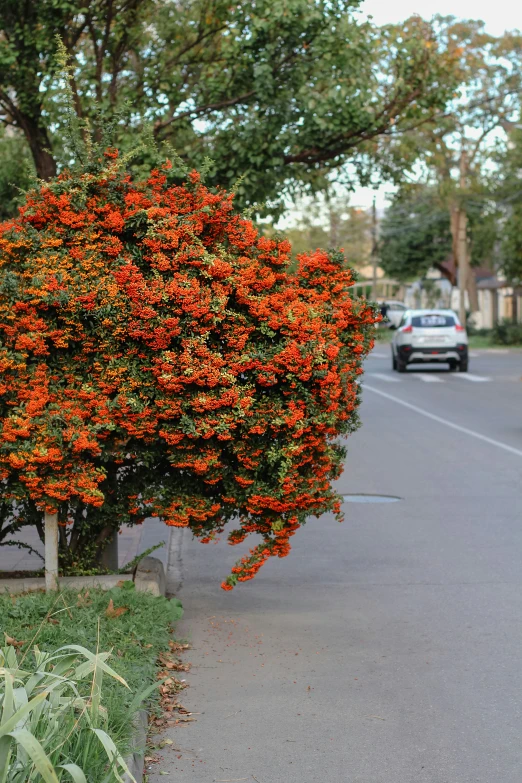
x=131, y=542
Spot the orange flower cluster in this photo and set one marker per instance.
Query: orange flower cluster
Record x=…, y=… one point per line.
x=158, y=358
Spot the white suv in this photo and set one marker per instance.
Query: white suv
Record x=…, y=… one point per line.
x=430, y=336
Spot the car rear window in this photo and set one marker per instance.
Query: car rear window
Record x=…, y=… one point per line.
x=430, y=320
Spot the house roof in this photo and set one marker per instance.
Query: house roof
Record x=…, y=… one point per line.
x=449, y=270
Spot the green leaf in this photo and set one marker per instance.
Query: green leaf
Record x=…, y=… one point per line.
x=140, y=697
x=95, y=660
x=75, y=772
x=113, y=755
x=37, y=754
x=10, y=725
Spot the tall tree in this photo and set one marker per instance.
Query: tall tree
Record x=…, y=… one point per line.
x=415, y=234
x=509, y=201
x=280, y=91
x=457, y=148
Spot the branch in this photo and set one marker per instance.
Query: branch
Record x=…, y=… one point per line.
x=188, y=47
x=22, y=545
x=160, y=125
x=202, y=109
x=344, y=143
x=480, y=139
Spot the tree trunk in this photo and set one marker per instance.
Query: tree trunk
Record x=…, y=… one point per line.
x=459, y=232
x=472, y=289
x=458, y=224
x=334, y=226
x=462, y=251
x=44, y=163
x=40, y=146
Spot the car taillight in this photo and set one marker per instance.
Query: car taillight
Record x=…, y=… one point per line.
x=459, y=328
x=407, y=329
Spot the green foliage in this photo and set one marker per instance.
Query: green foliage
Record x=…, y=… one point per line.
x=512, y=245
x=16, y=173
x=508, y=194
x=135, y=626
x=53, y=726
x=277, y=92
x=415, y=234
x=486, y=96
x=507, y=333
x=455, y=153
x=483, y=230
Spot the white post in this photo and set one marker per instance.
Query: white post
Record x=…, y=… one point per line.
x=51, y=552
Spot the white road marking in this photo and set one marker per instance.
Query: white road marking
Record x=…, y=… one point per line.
x=474, y=354
x=382, y=377
x=468, y=376
x=447, y=423
x=430, y=378
x=378, y=355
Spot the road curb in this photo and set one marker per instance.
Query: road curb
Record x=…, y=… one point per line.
x=136, y=761
x=149, y=576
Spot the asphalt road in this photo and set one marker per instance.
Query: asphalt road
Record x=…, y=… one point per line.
x=387, y=649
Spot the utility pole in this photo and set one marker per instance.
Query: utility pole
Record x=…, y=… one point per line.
x=374, y=249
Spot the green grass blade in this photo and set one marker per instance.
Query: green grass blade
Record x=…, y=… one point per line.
x=8, y=705
x=75, y=772
x=113, y=755
x=5, y=756
x=97, y=660
x=11, y=724
x=36, y=753
x=8, y=709
x=140, y=697
x=96, y=691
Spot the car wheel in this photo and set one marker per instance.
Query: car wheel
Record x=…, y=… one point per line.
x=463, y=366
x=453, y=366
x=394, y=362
x=401, y=366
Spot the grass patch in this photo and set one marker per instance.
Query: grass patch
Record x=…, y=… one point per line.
x=136, y=627
x=478, y=341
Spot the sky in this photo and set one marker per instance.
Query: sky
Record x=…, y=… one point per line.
x=498, y=16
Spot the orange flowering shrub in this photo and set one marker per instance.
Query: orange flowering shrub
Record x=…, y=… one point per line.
x=158, y=358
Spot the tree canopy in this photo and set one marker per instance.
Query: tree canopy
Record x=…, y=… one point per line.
x=276, y=92
x=508, y=194
x=415, y=234
x=455, y=156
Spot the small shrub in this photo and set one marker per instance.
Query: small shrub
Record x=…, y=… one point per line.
x=507, y=333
